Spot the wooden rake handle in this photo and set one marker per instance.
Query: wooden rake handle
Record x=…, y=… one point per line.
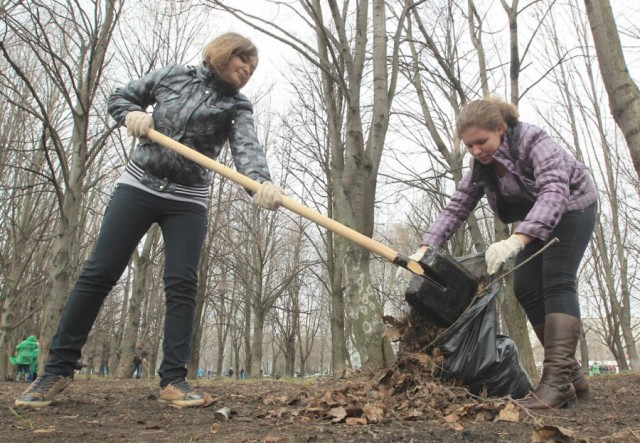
x=319, y=219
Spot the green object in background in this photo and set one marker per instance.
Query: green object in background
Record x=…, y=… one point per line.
x=27, y=353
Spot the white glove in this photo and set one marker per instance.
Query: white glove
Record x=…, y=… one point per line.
x=402, y=272
x=269, y=196
x=138, y=123
x=501, y=251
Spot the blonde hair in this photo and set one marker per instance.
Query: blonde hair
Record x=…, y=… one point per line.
x=217, y=53
x=488, y=114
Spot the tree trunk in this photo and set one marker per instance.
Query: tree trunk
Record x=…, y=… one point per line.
x=253, y=363
x=142, y=275
x=510, y=308
x=224, y=322
x=61, y=261
x=246, y=335
x=624, y=96
x=196, y=335
x=337, y=313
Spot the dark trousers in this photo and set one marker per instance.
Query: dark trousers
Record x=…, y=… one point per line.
x=128, y=217
x=137, y=370
x=547, y=284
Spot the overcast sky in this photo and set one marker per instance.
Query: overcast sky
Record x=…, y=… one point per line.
x=275, y=56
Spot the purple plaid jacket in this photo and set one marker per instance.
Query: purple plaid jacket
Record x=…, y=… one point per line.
x=555, y=180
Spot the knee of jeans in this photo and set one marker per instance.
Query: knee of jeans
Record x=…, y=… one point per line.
x=561, y=287
x=181, y=283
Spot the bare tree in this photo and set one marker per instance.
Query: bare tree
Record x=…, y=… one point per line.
x=356, y=138
x=624, y=96
x=607, y=275
x=310, y=324
x=27, y=214
x=306, y=154
x=70, y=41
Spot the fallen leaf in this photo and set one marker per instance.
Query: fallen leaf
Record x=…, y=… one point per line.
x=452, y=418
x=327, y=398
x=555, y=434
x=45, y=431
x=510, y=414
x=484, y=415
x=393, y=334
x=374, y=412
x=338, y=414
x=208, y=399
x=412, y=414
x=356, y=421
x=215, y=428
x=624, y=435
x=340, y=397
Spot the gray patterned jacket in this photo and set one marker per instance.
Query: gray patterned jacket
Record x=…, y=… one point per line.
x=195, y=108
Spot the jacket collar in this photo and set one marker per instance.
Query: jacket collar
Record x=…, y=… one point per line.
x=212, y=80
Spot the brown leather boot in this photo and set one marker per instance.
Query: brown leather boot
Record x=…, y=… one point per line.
x=555, y=389
x=577, y=376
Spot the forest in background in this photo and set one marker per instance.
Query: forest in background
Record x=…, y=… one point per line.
x=363, y=135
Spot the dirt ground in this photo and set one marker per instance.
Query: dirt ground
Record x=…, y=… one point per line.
x=376, y=407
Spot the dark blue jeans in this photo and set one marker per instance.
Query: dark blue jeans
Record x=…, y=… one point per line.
x=137, y=370
x=129, y=215
x=547, y=284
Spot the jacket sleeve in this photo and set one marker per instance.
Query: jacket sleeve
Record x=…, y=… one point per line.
x=462, y=203
x=137, y=95
x=248, y=156
x=547, y=160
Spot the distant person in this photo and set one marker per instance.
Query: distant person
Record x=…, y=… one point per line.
x=230, y=372
x=139, y=360
x=242, y=374
x=201, y=107
x=529, y=178
x=26, y=358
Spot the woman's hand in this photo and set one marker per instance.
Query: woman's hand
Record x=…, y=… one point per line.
x=138, y=123
x=269, y=196
x=501, y=251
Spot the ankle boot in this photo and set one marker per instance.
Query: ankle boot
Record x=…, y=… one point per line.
x=555, y=389
x=580, y=383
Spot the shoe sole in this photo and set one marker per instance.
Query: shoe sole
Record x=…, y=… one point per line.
x=34, y=404
x=184, y=403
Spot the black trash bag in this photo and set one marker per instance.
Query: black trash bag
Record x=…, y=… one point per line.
x=475, y=354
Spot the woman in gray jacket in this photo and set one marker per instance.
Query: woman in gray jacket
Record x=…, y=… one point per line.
x=528, y=177
x=202, y=108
